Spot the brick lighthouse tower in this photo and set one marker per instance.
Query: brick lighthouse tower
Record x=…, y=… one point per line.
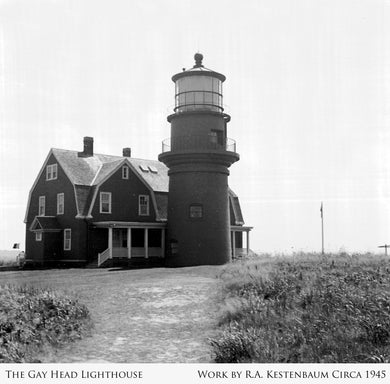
x=198, y=156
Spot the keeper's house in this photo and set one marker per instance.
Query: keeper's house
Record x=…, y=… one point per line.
x=90, y=209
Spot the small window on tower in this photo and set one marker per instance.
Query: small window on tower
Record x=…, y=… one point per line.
x=216, y=138
x=196, y=211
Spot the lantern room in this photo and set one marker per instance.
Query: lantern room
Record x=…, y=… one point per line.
x=198, y=89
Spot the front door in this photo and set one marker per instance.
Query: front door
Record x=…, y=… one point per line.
x=119, y=238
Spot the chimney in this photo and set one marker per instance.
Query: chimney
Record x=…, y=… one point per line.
x=88, y=147
x=126, y=152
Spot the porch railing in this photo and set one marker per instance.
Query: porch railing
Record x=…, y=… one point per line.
x=102, y=257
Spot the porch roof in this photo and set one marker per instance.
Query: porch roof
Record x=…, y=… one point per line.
x=128, y=224
x=45, y=224
x=240, y=228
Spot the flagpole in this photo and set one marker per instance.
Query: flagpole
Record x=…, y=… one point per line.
x=322, y=226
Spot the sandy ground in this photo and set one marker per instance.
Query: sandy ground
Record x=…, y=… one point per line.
x=150, y=315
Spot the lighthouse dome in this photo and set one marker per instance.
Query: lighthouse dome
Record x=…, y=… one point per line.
x=198, y=88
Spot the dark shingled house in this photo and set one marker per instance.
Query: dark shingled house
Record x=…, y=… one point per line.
x=90, y=209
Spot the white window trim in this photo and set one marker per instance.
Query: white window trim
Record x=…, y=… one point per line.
x=42, y=199
x=125, y=172
x=50, y=172
x=109, y=202
x=38, y=236
x=68, y=248
x=147, y=205
x=58, y=203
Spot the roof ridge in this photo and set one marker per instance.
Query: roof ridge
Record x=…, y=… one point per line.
x=103, y=154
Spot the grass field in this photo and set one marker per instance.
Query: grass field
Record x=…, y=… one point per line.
x=34, y=319
x=305, y=309
x=156, y=315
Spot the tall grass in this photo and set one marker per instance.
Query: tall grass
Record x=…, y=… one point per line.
x=33, y=319
x=306, y=309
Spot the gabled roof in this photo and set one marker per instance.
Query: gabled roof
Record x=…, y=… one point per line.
x=45, y=223
x=93, y=170
x=88, y=173
x=159, y=180
x=83, y=170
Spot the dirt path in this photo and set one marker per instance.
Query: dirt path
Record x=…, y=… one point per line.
x=150, y=315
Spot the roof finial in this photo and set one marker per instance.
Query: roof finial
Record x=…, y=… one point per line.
x=198, y=60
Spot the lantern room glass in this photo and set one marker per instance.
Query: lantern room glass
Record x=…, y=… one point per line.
x=198, y=93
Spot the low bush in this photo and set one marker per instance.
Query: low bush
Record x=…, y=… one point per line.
x=306, y=309
x=33, y=319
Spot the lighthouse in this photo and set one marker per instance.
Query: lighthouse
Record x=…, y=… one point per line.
x=198, y=155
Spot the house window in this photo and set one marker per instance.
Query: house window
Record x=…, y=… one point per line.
x=67, y=239
x=60, y=204
x=105, y=202
x=41, y=206
x=196, y=211
x=38, y=236
x=51, y=172
x=125, y=172
x=143, y=205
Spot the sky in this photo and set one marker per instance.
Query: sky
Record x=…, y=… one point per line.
x=308, y=91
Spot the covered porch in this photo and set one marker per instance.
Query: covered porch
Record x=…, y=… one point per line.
x=133, y=240
x=237, y=240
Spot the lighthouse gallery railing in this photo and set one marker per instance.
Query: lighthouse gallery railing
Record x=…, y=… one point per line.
x=198, y=142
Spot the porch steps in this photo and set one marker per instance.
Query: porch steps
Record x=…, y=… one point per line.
x=92, y=264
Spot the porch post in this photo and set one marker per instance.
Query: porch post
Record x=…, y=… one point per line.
x=146, y=243
x=234, y=243
x=247, y=242
x=110, y=241
x=162, y=242
x=129, y=243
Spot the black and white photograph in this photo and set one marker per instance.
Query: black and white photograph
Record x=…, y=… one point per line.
x=189, y=183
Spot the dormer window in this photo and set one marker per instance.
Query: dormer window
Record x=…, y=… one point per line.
x=51, y=172
x=144, y=168
x=125, y=172
x=152, y=169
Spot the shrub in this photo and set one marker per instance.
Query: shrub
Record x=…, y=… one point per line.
x=309, y=310
x=32, y=319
